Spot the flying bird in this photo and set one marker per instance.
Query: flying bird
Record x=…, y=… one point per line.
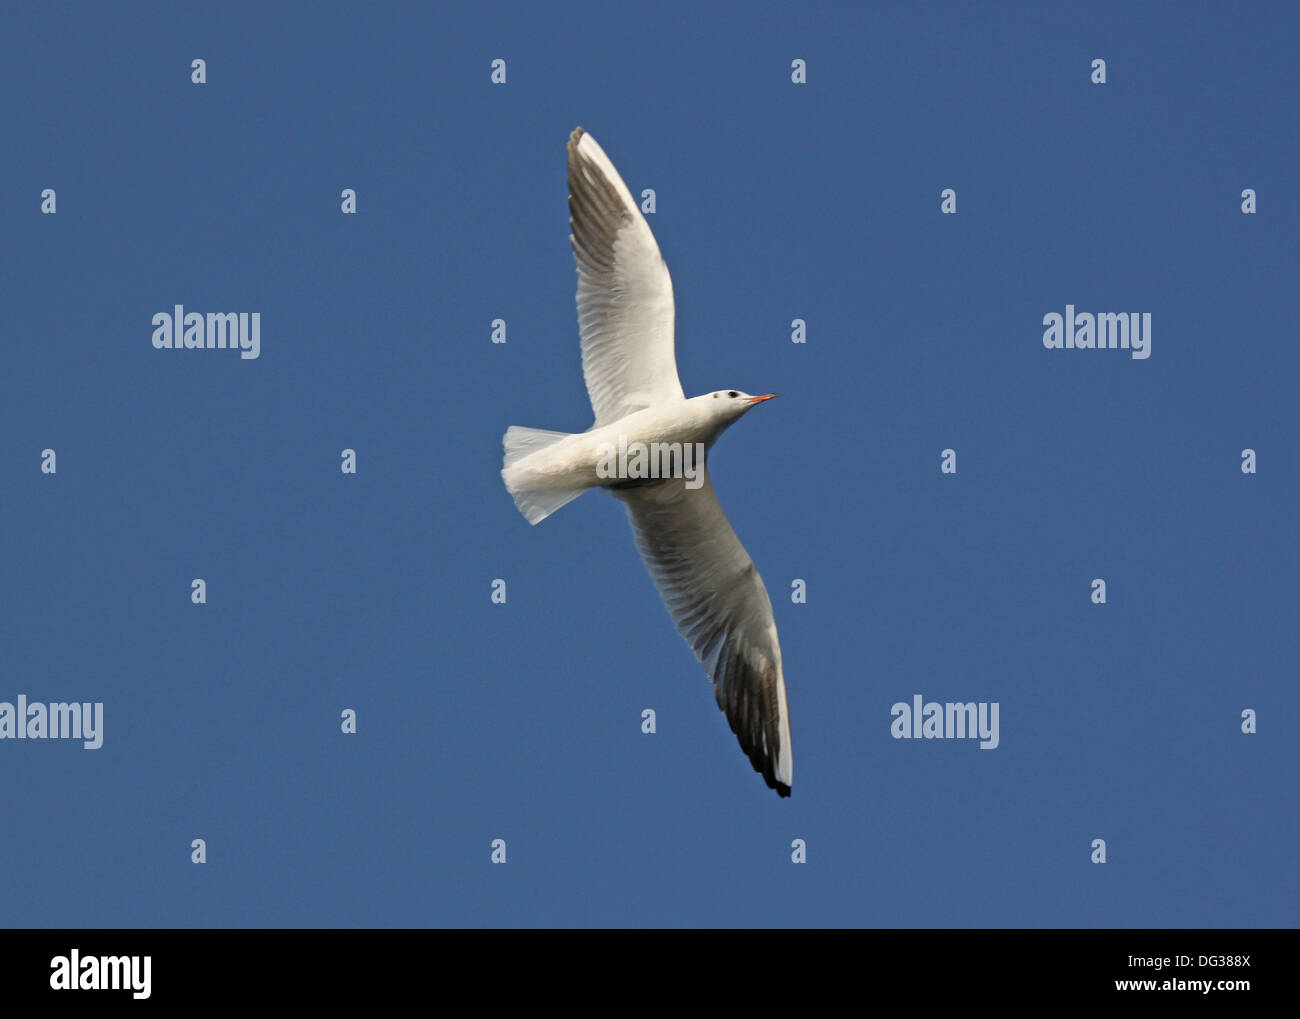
x=706, y=578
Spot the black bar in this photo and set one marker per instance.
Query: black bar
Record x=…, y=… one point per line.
x=337, y=968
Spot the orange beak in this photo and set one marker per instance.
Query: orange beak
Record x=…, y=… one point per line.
x=760, y=399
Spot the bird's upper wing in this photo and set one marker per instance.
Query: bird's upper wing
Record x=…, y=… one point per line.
x=719, y=603
x=625, y=295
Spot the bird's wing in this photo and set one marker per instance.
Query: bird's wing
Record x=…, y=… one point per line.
x=625, y=295
x=718, y=601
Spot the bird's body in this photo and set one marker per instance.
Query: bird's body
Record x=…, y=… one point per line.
x=706, y=578
x=572, y=462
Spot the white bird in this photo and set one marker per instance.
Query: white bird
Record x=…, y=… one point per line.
x=706, y=578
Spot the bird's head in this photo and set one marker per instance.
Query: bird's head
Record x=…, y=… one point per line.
x=730, y=404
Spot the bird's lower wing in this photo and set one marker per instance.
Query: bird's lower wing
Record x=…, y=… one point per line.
x=718, y=601
x=625, y=295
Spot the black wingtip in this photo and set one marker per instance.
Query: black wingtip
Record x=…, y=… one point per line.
x=769, y=777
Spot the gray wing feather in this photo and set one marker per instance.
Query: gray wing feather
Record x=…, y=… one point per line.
x=717, y=599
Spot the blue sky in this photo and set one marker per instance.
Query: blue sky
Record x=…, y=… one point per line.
x=522, y=721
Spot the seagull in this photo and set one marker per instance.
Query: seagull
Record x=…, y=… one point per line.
x=707, y=580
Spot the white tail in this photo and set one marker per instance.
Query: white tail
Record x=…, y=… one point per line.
x=536, y=504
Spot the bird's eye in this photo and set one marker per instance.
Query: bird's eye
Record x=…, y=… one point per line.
x=733, y=394
x=715, y=396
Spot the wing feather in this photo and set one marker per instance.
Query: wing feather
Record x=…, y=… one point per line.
x=625, y=295
x=717, y=599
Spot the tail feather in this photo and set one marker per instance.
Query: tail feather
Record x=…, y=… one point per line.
x=520, y=442
x=536, y=504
